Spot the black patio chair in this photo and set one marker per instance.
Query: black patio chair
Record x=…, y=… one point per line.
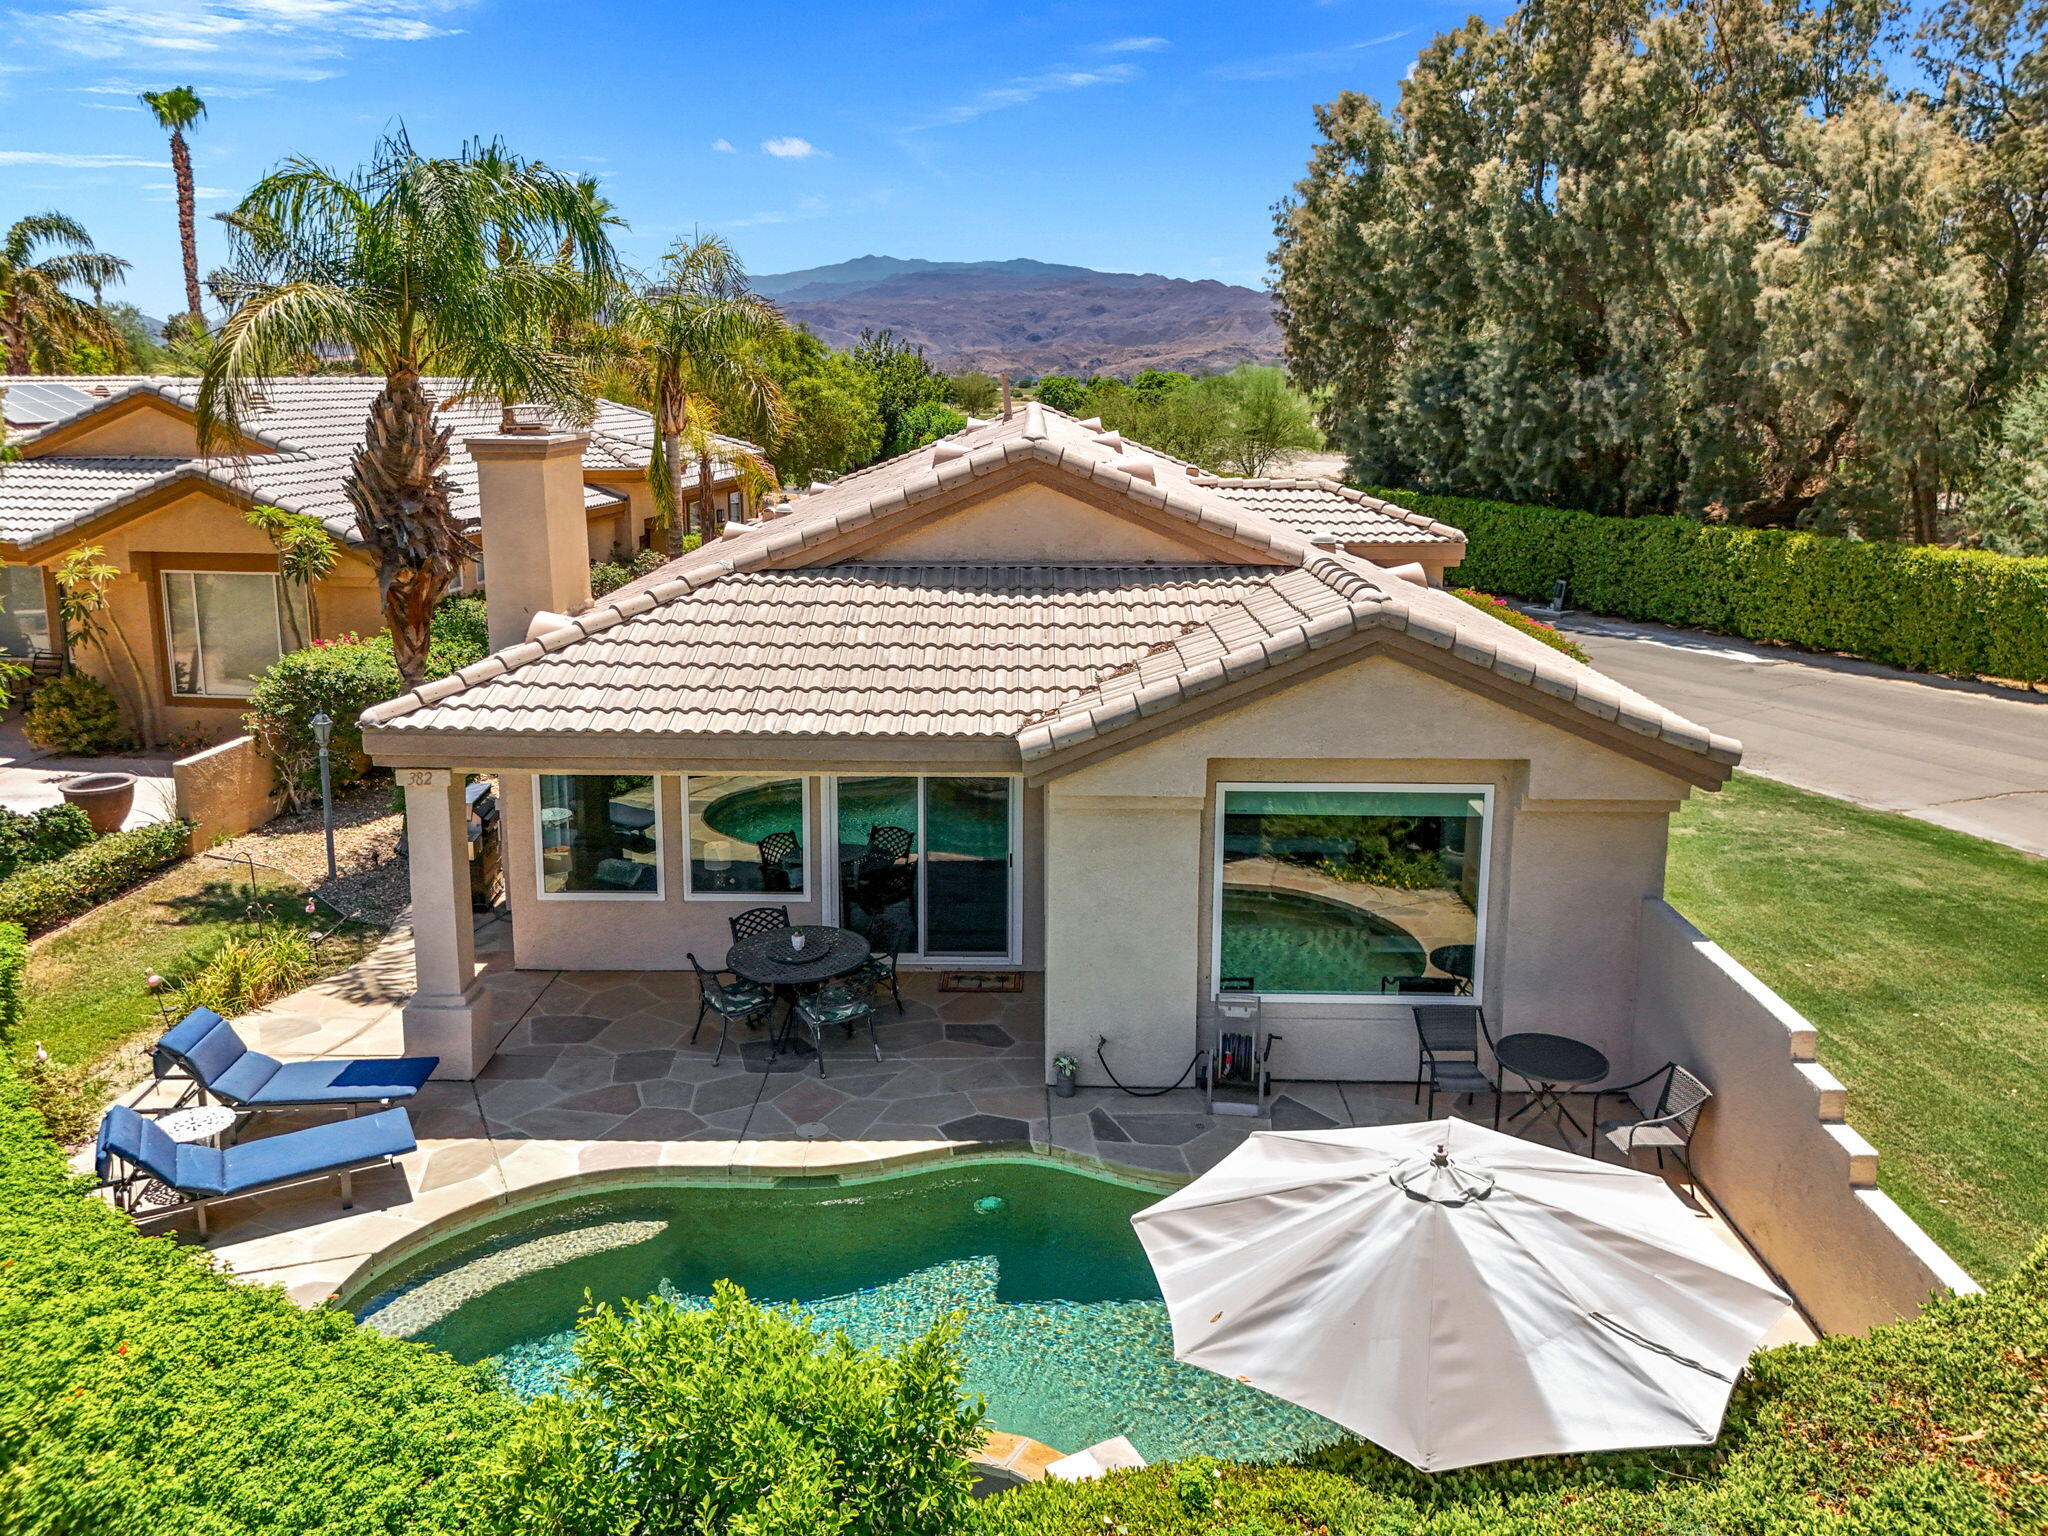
x=755, y=921
x=894, y=843
x=846, y=1002
x=738, y=1000
x=1675, y=1106
x=780, y=853
x=885, y=943
x=1449, y=1035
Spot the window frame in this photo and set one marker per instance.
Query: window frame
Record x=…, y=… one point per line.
x=1482, y=792
x=661, y=843
x=278, y=596
x=757, y=898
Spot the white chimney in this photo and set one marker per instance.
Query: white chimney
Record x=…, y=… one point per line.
x=536, y=534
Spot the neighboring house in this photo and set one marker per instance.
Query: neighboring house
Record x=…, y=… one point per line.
x=1036, y=698
x=198, y=611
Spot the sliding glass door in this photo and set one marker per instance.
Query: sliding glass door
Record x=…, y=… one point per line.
x=927, y=864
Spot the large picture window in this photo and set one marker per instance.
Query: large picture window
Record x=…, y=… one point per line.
x=24, y=610
x=225, y=628
x=1349, y=891
x=748, y=834
x=599, y=835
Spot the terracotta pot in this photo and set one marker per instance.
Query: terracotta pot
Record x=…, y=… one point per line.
x=104, y=797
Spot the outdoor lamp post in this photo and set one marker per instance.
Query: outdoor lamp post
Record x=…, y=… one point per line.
x=322, y=729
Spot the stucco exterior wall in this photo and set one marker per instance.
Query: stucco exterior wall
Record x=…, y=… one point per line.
x=1577, y=839
x=1772, y=1147
x=141, y=431
x=1021, y=525
x=227, y=790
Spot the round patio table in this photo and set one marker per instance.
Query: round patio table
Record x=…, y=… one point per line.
x=1454, y=960
x=1549, y=1064
x=767, y=958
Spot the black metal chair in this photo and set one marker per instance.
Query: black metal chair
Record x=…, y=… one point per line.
x=895, y=843
x=1674, y=1114
x=737, y=999
x=1449, y=1035
x=755, y=921
x=846, y=1002
x=780, y=852
x=885, y=943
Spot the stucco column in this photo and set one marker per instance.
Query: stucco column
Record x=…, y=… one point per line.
x=536, y=534
x=447, y=1016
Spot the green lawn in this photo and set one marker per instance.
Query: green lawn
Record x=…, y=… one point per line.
x=1922, y=957
x=86, y=993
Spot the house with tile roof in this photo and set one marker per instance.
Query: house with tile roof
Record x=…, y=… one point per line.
x=1038, y=699
x=197, y=609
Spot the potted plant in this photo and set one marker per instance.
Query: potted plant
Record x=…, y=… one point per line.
x=1063, y=1069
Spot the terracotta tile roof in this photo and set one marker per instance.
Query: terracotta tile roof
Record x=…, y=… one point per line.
x=739, y=638
x=1312, y=507
x=314, y=423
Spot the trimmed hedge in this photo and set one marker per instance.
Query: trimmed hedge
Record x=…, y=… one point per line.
x=46, y=894
x=13, y=978
x=1963, y=612
x=142, y=1392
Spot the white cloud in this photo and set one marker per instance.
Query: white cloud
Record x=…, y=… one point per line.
x=76, y=162
x=1026, y=88
x=790, y=147
x=132, y=89
x=1133, y=45
x=724, y=146
x=166, y=191
x=261, y=39
x=811, y=208
x=1282, y=66
x=109, y=106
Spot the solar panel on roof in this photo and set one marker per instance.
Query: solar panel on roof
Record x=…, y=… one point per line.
x=37, y=405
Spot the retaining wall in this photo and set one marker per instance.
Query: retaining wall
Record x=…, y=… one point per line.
x=1773, y=1149
x=227, y=790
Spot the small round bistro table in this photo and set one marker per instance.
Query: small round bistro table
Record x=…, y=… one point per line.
x=1454, y=960
x=768, y=959
x=1550, y=1064
x=203, y=1122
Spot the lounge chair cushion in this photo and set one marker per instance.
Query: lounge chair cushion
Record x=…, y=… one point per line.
x=215, y=1054
x=202, y=1171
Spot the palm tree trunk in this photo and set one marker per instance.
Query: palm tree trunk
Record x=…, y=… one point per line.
x=13, y=337
x=705, y=529
x=400, y=495
x=679, y=520
x=181, y=171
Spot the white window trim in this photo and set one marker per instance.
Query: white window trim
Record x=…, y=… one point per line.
x=540, y=871
x=754, y=898
x=1013, y=953
x=1484, y=792
x=277, y=597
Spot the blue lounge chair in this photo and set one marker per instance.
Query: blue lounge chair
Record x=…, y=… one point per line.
x=209, y=1051
x=203, y=1174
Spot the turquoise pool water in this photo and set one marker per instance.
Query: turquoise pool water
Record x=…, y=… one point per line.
x=1291, y=943
x=1065, y=1335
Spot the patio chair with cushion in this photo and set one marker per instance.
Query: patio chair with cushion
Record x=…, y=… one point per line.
x=733, y=1000
x=780, y=854
x=205, y=1047
x=1449, y=1035
x=845, y=1002
x=885, y=943
x=755, y=921
x=1676, y=1099
x=133, y=1151
x=892, y=843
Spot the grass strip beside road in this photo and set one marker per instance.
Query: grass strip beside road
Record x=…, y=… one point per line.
x=1921, y=956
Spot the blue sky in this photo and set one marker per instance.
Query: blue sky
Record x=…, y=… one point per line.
x=1126, y=136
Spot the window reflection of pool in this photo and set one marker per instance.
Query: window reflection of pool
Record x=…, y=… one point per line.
x=1288, y=942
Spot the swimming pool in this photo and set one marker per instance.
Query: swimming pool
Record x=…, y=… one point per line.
x=1065, y=1335
x=1285, y=941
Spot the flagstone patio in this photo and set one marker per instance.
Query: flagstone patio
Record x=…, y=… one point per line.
x=599, y=1081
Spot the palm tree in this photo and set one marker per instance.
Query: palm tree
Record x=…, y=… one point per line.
x=176, y=110
x=418, y=267
x=40, y=318
x=693, y=344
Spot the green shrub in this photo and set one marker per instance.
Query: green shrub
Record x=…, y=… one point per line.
x=244, y=971
x=344, y=677
x=143, y=1392
x=608, y=576
x=45, y=894
x=1963, y=612
x=1514, y=618
x=69, y=1096
x=77, y=713
x=41, y=835
x=13, y=978
x=740, y=1418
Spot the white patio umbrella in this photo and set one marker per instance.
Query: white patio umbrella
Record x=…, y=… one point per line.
x=1456, y=1295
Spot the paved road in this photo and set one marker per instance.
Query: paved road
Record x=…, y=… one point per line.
x=1963, y=755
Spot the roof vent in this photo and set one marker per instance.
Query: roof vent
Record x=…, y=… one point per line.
x=734, y=530
x=946, y=452
x=1111, y=440
x=544, y=623
x=1410, y=571
x=1093, y=423
x=1137, y=469
x=973, y=422
x=1326, y=539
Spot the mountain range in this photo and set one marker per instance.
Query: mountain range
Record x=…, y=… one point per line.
x=1032, y=317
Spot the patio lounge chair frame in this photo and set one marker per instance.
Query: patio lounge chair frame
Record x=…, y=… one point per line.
x=1448, y=1036
x=133, y=1156
x=204, y=1051
x=1668, y=1127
